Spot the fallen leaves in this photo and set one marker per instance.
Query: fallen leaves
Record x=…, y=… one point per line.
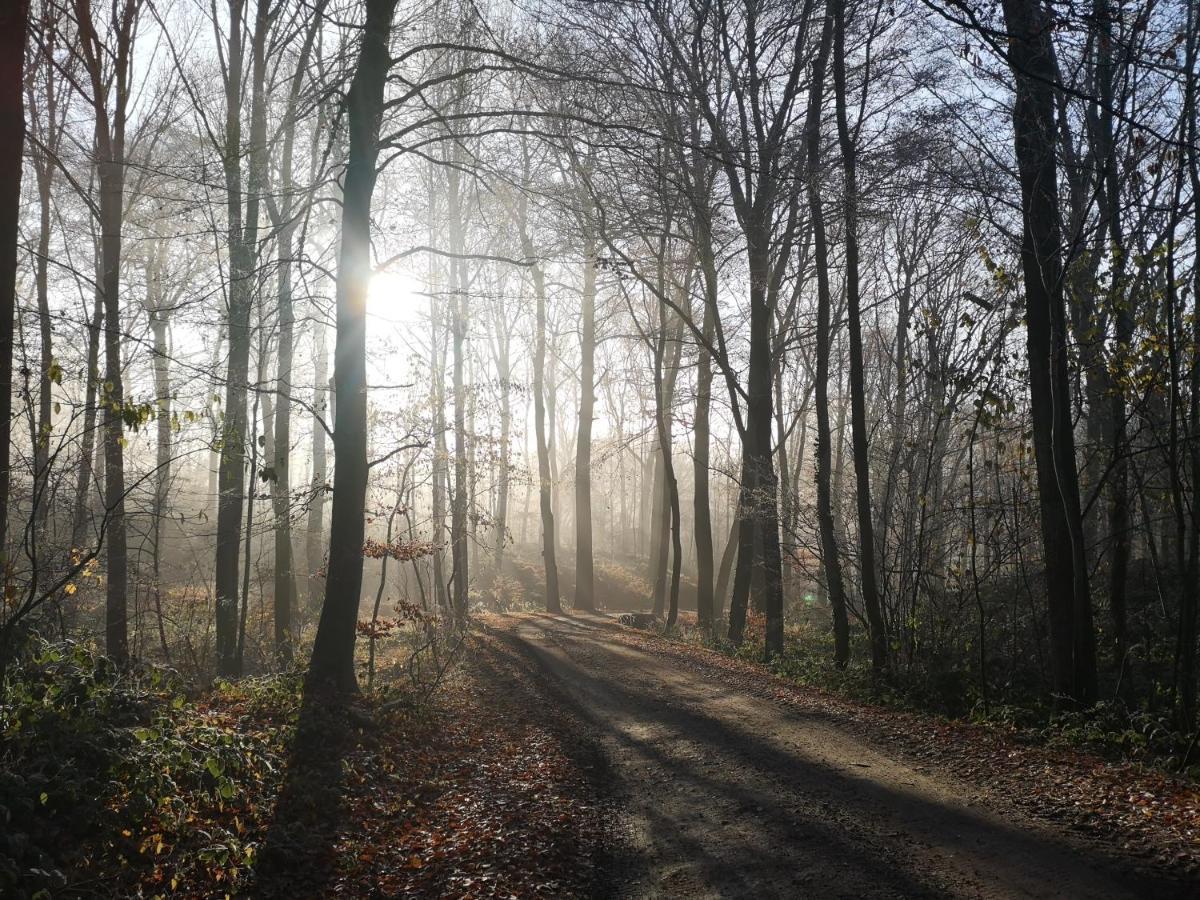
x=478, y=799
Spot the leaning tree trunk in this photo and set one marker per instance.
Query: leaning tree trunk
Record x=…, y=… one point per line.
x=332, y=662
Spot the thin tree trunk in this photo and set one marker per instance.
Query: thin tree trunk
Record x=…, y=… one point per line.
x=458, y=328
x=553, y=603
x=243, y=249
x=701, y=504
x=314, y=535
x=503, y=480
x=110, y=168
x=162, y=474
x=858, y=412
x=81, y=517
x=14, y=28
x=830, y=556
x=585, y=589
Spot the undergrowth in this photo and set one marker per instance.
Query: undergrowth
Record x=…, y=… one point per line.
x=111, y=777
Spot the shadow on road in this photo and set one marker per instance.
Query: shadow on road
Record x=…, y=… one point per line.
x=725, y=807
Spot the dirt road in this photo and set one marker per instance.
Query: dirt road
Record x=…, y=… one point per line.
x=722, y=793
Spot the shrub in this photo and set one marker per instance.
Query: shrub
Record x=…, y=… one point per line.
x=111, y=773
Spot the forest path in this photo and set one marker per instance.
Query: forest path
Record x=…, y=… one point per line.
x=723, y=793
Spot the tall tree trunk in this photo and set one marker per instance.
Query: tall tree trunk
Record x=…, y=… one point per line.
x=110, y=169
x=544, y=442
x=1031, y=58
x=585, y=589
x=1110, y=212
x=243, y=249
x=759, y=493
x=666, y=485
x=333, y=649
x=281, y=482
x=112, y=176
x=285, y=590
x=162, y=473
x=701, y=504
x=14, y=28
x=458, y=328
x=662, y=424
x=44, y=171
x=830, y=556
x=437, y=375
x=1190, y=599
x=858, y=411
x=553, y=602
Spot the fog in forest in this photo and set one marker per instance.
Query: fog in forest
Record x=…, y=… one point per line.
x=856, y=339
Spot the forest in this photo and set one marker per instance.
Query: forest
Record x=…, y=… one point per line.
x=552, y=448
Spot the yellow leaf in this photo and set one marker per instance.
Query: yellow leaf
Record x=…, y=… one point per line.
x=70, y=589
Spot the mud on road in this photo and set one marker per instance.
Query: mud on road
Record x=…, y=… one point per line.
x=718, y=792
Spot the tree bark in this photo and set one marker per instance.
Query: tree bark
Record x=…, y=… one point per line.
x=858, y=412
x=701, y=504
x=1031, y=58
x=243, y=249
x=314, y=535
x=458, y=328
x=14, y=29
x=585, y=589
x=110, y=168
x=332, y=663
x=553, y=601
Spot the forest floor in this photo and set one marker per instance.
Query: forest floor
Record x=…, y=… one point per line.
x=719, y=780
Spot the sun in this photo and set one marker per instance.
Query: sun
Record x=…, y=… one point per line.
x=396, y=298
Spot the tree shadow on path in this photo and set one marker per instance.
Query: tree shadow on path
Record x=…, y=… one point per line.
x=298, y=856
x=739, y=804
